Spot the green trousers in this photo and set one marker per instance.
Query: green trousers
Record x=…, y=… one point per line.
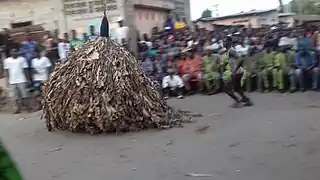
x=248, y=80
x=212, y=80
x=278, y=77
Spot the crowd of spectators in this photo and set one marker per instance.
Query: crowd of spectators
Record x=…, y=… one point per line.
x=187, y=59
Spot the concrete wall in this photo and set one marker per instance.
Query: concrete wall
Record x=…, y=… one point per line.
x=45, y=12
x=51, y=14
x=146, y=19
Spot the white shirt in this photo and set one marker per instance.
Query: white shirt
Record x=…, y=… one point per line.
x=148, y=43
x=16, y=69
x=242, y=50
x=173, y=82
x=63, y=50
x=122, y=33
x=284, y=41
x=41, y=66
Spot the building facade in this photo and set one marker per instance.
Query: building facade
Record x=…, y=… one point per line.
x=182, y=8
x=255, y=19
x=151, y=13
x=67, y=15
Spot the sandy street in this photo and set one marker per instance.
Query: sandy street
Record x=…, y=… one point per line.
x=277, y=139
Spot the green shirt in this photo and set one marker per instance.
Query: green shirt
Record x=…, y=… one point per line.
x=211, y=63
x=76, y=43
x=268, y=59
x=280, y=60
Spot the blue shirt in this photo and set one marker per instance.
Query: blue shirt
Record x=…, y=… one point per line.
x=147, y=66
x=308, y=60
x=28, y=51
x=304, y=44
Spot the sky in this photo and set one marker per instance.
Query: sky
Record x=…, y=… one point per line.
x=227, y=7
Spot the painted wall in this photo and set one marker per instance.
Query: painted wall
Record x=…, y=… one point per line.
x=147, y=18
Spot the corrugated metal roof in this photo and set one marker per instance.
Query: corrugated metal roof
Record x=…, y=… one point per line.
x=248, y=13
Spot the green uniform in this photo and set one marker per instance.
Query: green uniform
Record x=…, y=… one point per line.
x=251, y=68
x=8, y=170
x=266, y=67
x=283, y=66
x=211, y=71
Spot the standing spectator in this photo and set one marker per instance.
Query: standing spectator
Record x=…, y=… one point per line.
x=122, y=32
x=27, y=50
x=63, y=49
x=85, y=37
x=41, y=67
x=66, y=37
x=16, y=68
x=47, y=41
x=75, y=42
x=178, y=25
x=169, y=25
x=51, y=45
x=92, y=32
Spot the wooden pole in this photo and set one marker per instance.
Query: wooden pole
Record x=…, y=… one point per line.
x=129, y=21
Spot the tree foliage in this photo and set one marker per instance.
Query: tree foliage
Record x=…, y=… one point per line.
x=305, y=6
x=206, y=13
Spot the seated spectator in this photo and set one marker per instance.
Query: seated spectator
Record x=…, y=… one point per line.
x=147, y=66
x=159, y=73
x=170, y=61
x=191, y=69
x=265, y=69
x=172, y=84
x=211, y=72
x=180, y=65
x=281, y=70
x=306, y=63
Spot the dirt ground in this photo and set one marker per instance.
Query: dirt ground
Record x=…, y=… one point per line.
x=277, y=139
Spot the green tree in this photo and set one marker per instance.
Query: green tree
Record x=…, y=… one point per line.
x=206, y=13
x=305, y=6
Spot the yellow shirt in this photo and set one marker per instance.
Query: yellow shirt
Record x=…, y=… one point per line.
x=179, y=25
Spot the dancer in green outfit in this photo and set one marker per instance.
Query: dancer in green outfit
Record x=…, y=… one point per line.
x=8, y=169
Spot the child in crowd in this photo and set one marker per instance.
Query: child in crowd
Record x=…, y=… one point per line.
x=41, y=67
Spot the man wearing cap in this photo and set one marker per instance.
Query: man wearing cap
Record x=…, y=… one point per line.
x=172, y=84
